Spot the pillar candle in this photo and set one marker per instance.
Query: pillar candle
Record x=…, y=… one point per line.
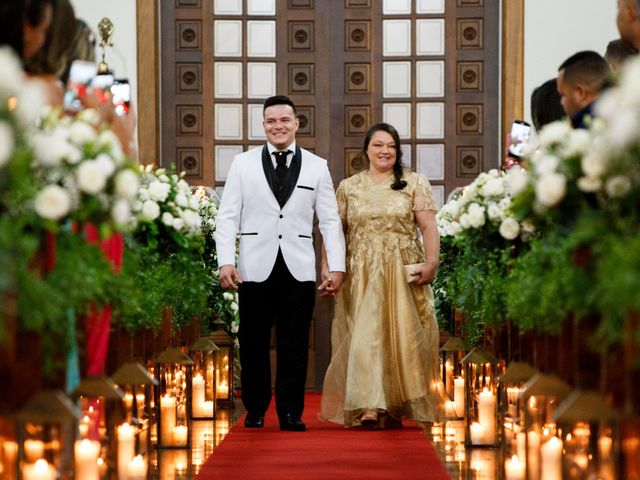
x=136, y=468
x=197, y=398
x=458, y=396
x=167, y=418
x=180, y=435
x=128, y=401
x=551, y=459
x=86, y=453
x=449, y=376
x=514, y=468
x=40, y=470
x=33, y=450
x=10, y=451
x=533, y=451
x=223, y=389
x=521, y=444
x=487, y=414
x=207, y=408
x=126, y=447
x=140, y=403
x=477, y=433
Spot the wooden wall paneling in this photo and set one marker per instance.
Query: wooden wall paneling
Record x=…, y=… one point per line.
x=512, y=65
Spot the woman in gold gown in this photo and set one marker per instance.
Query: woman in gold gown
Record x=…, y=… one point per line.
x=384, y=338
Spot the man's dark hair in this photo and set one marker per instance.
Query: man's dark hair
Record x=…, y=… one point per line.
x=545, y=104
x=588, y=68
x=278, y=100
x=618, y=52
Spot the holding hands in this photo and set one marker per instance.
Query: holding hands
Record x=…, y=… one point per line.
x=331, y=281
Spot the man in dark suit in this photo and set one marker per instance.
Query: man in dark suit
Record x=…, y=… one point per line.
x=270, y=198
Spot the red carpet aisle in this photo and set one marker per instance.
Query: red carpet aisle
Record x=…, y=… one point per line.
x=326, y=451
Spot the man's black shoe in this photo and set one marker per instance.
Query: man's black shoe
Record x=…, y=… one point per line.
x=292, y=424
x=254, y=420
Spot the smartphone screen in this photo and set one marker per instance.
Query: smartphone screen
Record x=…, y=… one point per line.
x=121, y=96
x=519, y=138
x=101, y=84
x=80, y=77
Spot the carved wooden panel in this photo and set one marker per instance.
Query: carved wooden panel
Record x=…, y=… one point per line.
x=188, y=78
x=357, y=3
x=300, y=3
x=469, y=119
x=189, y=119
x=187, y=3
x=306, y=117
x=188, y=35
x=301, y=78
x=469, y=77
x=470, y=33
x=468, y=161
x=189, y=160
x=354, y=161
x=358, y=78
x=358, y=35
x=301, y=38
x=357, y=119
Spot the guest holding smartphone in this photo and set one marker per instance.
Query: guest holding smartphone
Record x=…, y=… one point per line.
x=384, y=365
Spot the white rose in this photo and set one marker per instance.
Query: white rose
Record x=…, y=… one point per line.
x=469, y=192
x=90, y=116
x=227, y=296
x=509, y=228
x=623, y=127
x=167, y=219
x=143, y=194
x=31, y=103
x=233, y=306
x=494, y=173
x=159, y=191
x=193, y=203
x=545, y=164
x=476, y=215
x=453, y=229
x=493, y=187
x=106, y=163
x=91, y=177
x=494, y=211
x=465, y=221
x=234, y=327
x=52, y=202
x=73, y=155
x=183, y=186
x=578, y=142
x=592, y=165
x=121, y=212
x=109, y=139
x=150, y=210
x=517, y=180
x=163, y=178
x=550, y=189
x=181, y=200
x=618, y=186
x=589, y=184
x=178, y=224
x=554, y=132
x=7, y=142
x=127, y=184
x=49, y=149
x=81, y=133
x=191, y=218
x=12, y=75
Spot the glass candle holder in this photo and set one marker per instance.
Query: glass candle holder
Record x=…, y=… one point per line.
x=203, y=404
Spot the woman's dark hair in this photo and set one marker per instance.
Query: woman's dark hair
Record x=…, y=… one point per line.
x=399, y=184
x=83, y=47
x=14, y=14
x=51, y=59
x=545, y=104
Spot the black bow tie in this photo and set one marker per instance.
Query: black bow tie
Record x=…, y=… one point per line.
x=281, y=163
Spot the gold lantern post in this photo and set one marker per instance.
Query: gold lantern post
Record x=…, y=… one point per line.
x=203, y=387
x=512, y=383
x=46, y=432
x=482, y=426
x=590, y=438
x=540, y=397
x=173, y=398
x=224, y=367
x=105, y=29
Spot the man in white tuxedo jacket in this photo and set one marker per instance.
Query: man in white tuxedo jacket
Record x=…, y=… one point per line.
x=269, y=200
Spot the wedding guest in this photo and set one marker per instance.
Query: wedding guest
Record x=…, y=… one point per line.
x=384, y=364
x=581, y=79
x=24, y=25
x=618, y=52
x=628, y=21
x=545, y=104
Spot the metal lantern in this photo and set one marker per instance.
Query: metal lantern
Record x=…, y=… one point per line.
x=451, y=354
x=481, y=398
x=589, y=436
x=511, y=407
x=224, y=371
x=137, y=383
x=173, y=398
x=203, y=383
x=98, y=397
x=46, y=431
x=541, y=395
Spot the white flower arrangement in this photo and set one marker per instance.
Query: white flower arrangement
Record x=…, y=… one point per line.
x=485, y=203
x=157, y=201
x=83, y=178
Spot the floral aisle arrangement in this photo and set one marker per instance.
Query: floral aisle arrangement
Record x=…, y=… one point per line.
x=163, y=266
x=480, y=236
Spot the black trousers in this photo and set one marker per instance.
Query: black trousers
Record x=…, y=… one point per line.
x=285, y=302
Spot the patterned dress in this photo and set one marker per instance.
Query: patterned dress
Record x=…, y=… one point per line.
x=384, y=336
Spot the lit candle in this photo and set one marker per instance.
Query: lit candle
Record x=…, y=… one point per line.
x=207, y=408
x=477, y=433
x=487, y=414
x=449, y=377
x=86, y=453
x=40, y=470
x=551, y=459
x=180, y=435
x=33, y=450
x=458, y=396
x=168, y=418
x=533, y=453
x=514, y=468
x=137, y=468
x=521, y=442
x=83, y=428
x=606, y=466
x=128, y=401
x=197, y=398
x=140, y=403
x=126, y=447
x=223, y=389
x=10, y=450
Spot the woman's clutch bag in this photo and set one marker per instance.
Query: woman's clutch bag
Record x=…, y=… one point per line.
x=408, y=271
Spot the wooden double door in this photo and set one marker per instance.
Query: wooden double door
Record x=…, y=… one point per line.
x=428, y=67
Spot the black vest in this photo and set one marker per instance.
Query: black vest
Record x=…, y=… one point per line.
x=282, y=190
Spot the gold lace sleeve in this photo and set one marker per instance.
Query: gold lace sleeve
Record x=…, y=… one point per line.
x=342, y=204
x=423, y=196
